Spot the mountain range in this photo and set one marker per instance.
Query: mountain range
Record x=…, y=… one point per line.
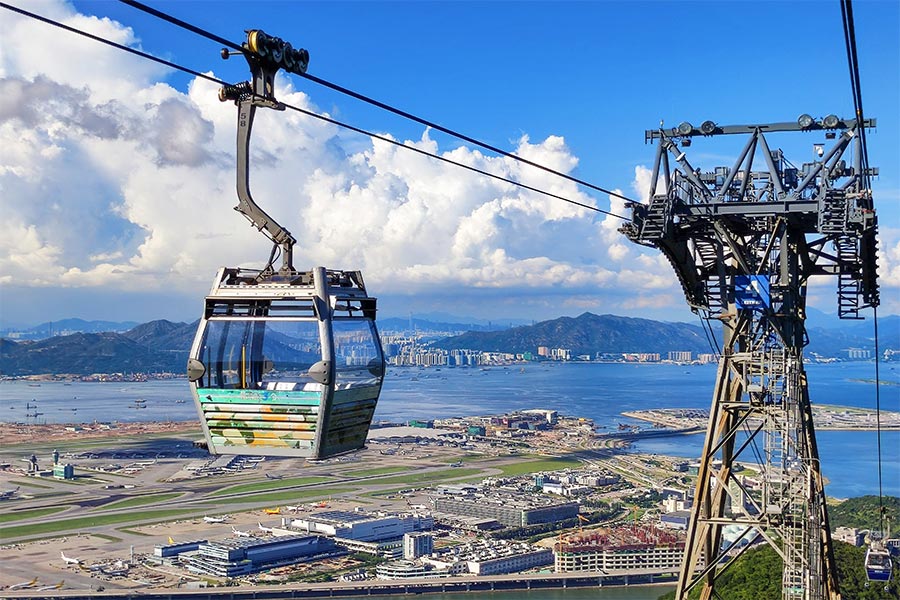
x=587, y=334
x=157, y=346
x=163, y=346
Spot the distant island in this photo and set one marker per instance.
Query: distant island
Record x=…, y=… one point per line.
x=162, y=346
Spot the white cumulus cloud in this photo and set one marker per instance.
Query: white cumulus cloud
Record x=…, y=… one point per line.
x=130, y=185
x=112, y=179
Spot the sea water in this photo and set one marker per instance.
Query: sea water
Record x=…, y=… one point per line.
x=598, y=391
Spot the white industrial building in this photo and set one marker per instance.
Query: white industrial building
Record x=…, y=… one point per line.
x=484, y=557
x=491, y=557
x=362, y=526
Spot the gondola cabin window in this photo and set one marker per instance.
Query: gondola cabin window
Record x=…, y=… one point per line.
x=261, y=354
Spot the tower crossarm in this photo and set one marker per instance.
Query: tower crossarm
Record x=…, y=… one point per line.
x=824, y=199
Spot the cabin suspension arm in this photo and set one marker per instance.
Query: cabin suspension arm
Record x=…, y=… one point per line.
x=265, y=55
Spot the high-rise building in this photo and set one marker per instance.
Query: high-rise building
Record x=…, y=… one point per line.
x=417, y=544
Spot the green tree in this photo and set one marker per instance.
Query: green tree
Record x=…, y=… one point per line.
x=757, y=576
x=863, y=512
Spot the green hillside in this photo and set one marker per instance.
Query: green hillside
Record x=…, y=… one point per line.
x=862, y=512
x=757, y=576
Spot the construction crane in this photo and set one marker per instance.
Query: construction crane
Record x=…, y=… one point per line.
x=582, y=519
x=744, y=241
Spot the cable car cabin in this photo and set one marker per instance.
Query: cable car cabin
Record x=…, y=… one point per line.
x=878, y=564
x=286, y=368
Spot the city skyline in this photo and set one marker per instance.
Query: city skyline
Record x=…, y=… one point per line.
x=118, y=196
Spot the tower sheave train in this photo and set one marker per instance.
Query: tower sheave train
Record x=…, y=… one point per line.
x=284, y=362
x=744, y=242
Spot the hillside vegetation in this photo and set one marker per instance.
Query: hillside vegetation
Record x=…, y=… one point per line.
x=757, y=576
x=862, y=513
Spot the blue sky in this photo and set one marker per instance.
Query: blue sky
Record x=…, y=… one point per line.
x=118, y=196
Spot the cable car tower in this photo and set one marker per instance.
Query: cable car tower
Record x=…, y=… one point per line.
x=744, y=242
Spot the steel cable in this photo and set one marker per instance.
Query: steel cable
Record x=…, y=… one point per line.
x=310, y=113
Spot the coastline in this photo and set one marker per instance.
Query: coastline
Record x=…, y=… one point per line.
x=18, y=433
x=586, y=583
x=826, y=418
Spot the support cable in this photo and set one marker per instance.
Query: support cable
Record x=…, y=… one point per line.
x=710, y=336
x=878, y=419
x=310, y=113
x=369, y=100
x=709, y=342
x=853, y=63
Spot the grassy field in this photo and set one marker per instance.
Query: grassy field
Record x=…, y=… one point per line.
x=288, y=497
x=374, y=472
x=427, y=477
x=269, y=485
x=33, y=513
x=131, y=531
x=77, y=524
x=139, y=501
x=29, y=483
x=534, y=466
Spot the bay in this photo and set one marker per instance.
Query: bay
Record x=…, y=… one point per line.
x=599, y=391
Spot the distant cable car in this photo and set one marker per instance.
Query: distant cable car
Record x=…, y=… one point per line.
x=878, y=565
x=286, y=362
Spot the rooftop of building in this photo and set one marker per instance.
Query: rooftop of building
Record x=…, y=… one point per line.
x=505, y=498
x=620, y=538
x=347, y=517
x=182, y=544
x=247, y=543
x=488, y=549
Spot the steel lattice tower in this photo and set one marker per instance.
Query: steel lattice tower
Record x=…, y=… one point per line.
x=744, y=244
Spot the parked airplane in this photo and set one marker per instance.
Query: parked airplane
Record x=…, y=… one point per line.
x=215, y=519
x=270, y=476
x=239, y=533
x=70, y=561
x=24, y=584
x=272, y=511
x=56, y=586
x=293, y=508
x=264, y=529
x=171, y=541
x=7, y=494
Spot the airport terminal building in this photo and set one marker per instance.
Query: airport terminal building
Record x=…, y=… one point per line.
x=362, y=526
x=509, y=509
x=242, y=556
